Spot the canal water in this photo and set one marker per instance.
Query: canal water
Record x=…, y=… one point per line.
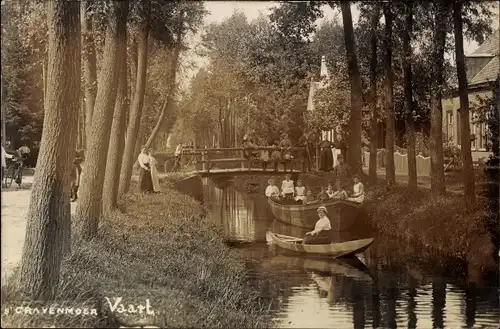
x=385, y=287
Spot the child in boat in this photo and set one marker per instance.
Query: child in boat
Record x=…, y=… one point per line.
x=329, y=191
x=322, y=196
x=309, y=198
x=322, y=230
x=272, y=190
x=287, y=188
x=340, y=193
x=300, y=191
x=358, y=190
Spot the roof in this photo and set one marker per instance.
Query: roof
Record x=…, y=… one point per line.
x=490, y=46
x=488, y=73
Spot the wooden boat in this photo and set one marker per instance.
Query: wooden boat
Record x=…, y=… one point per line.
x=351, y=269
x=342, y=213
x=333, y=249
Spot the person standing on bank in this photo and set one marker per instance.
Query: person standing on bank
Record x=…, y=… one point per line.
x=322, y=230
x=178, y=155
x=145, y=180
x=76, y=174
x=155, y=179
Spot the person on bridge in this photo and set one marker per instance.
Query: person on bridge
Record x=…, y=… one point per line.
x=322, y=230
x=286, y=150
x=325, y=156
x=248, y=147
x=341, y=170
x=275, y=155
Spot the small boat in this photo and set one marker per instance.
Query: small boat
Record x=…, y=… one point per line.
x=333, y=249
x=342, y=213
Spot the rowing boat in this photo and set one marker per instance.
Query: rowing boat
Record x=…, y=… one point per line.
x=342, y=213
x=332, y=249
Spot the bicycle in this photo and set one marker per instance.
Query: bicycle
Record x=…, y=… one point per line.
x=14, y=172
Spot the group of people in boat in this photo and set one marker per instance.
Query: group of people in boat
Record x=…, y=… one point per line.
x=290, y=193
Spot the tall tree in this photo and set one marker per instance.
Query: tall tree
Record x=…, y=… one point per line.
x=354, y=139
x=89, y=209
x=468, y=169
x=440, y=12
x=138, y=100
x=390, y=171
x=372, y=170
x=89, y=65
x=49, y=216
x=172, y=75
x=117, y=135
x=408, y=91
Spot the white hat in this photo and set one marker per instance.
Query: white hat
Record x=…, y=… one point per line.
x=323, y=208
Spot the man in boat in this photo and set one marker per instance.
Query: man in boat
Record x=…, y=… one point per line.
x=322, y=230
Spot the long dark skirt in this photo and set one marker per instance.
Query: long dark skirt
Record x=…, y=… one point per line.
x=326, y=159
x=323, y=237
x=145, y=181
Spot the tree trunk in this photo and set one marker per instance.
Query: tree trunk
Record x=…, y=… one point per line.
x=89, y=66
x=438, y=186
x=133, y=70
x=354, y=149
x=137, y=104
x=89, y=208
x=48, y=230
x=117, y=137
x=171, y=86
x=468, y=169
x=390, y=171
x=410, y=128
x=373, y=85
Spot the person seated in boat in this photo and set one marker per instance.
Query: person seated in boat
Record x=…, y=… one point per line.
x=300, y=191
x=309, y=198
x=287, y=187
x=322, y=196
x=272, y=191
x=340, y=193
x=322, y=230
x=358, y=194
x=329, y=191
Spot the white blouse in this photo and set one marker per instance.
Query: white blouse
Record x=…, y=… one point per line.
x=143, y=159
x=300, y=190
x=323, y=224
x=287, y=187
x=272, y=190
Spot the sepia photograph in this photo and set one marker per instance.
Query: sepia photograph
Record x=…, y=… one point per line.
x=250, y=164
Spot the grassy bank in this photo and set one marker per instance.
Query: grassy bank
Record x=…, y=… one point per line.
x=158, y=248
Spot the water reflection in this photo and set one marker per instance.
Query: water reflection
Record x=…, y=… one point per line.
x=386, y=291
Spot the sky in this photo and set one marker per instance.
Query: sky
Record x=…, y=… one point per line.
x=221, y=10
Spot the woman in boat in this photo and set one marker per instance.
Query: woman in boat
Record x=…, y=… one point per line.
x=300, y=191
x=287, y=187
x=272, y=190
x=154, y=173
x=309, y=198
x=322, y=229
x=329, y=191
x=358, y=190
x=340, y=193
x=145, y=181
x=322, y=196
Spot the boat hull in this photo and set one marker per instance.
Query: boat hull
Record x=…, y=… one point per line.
x=333, y=249
x=342, y=213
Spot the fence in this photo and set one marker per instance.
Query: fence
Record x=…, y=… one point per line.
x=400, y=162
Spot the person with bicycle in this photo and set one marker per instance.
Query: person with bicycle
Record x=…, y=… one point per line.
x=5, y=156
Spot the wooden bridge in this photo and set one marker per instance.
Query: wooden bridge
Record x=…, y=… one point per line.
x=224, y=161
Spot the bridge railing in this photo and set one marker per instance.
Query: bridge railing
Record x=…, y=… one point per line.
x=205, y=158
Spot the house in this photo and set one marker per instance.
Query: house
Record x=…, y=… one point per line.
x=483, y=69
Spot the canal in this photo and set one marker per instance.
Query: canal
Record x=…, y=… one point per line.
x=385, y=287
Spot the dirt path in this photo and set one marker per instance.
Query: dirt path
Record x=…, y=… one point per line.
x=15, y=203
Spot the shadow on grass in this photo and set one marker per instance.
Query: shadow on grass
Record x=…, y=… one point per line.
x=157, y=248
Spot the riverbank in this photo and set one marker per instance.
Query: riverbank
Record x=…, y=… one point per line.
x=443, y=227
x=157, y=250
